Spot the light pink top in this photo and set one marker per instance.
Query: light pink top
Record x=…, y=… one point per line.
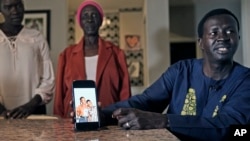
x=25, y=69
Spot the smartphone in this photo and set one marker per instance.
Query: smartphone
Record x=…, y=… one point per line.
x=85, y=105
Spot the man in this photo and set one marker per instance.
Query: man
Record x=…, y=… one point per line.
x=204, y=96
x=82, y=110
x=26, y=72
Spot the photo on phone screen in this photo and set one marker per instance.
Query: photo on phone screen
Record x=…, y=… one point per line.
x=86, y=108
x=85, y=104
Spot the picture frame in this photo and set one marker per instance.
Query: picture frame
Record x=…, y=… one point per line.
x=132, y=42
x=40, y=20
x=135, y=64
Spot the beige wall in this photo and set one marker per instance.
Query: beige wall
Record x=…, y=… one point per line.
x=78, y=31
x=245, y=16
x=157, y=38
x=131, y=23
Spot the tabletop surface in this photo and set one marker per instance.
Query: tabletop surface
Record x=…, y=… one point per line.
x=62, y=130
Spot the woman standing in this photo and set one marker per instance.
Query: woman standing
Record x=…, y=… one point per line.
x=91, y=59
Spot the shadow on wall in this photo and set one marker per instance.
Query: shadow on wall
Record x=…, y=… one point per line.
x=160, y=56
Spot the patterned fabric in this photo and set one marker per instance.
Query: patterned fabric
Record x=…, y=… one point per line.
x=216, y=110
x=189, y=107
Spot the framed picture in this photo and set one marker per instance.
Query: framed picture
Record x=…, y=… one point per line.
x=134, y=60
x=39, y=20
x=132, y=42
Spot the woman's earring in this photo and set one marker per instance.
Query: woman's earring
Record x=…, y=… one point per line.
x=2, y=19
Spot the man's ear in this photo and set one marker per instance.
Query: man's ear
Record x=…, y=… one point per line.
x=2, y=19
x=199, y=40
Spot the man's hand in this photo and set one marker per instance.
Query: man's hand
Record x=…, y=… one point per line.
x=129, y=118
x=2, y=108
x=25, y=110
x=3, y=111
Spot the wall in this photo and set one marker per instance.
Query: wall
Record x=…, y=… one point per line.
x=182, y=17
x=182, y=30
x=78, y=31
x=131, y=23
x=245, y=4
x=58, y=33
x=157, y=38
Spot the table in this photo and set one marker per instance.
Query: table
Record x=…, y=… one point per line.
x=62, y=130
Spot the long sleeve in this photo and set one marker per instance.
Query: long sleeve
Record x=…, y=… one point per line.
x=46, y=75
x=26, y=70
x=211, y=121
x=234, y=112
x=153, y=99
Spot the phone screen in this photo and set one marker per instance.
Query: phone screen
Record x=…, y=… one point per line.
x=85, y=105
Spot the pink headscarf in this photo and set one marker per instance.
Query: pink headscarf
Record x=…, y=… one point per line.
x=86, y=3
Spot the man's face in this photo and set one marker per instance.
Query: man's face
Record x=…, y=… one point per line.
x=220, y=38
x=90, y=20
x=83, y=101
x=13, y=11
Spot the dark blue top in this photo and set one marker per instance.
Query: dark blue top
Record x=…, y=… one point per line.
x=199, y=108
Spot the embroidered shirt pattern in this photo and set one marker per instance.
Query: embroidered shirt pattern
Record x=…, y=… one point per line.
x=189, y=107
x=223, y=98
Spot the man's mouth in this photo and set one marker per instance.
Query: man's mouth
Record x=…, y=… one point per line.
x=223, y=50
x=16, y=18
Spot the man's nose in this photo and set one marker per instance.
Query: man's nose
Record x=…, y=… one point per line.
x=13, y=9
x=89, y=18
x=223, y=36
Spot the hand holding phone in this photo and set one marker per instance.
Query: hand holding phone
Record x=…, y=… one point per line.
x=85, y=105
